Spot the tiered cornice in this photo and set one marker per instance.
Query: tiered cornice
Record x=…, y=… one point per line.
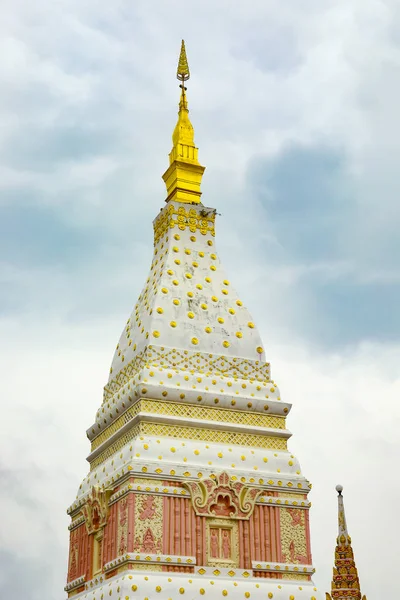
x=345, y=582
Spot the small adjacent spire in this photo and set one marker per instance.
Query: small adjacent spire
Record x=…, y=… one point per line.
x=345, y=582
x=184, y=174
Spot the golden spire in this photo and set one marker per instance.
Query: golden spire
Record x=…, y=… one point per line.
x=345, y=582
x=183, y=176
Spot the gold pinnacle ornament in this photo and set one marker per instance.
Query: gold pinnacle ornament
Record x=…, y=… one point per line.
x=183, y=176
x=183, y=73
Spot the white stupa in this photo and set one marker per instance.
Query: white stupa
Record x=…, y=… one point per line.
x=192, y=491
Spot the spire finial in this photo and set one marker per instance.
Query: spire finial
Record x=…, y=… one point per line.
x=345, y=582
x=182, y=72
x=343, y=535
x=183, y=176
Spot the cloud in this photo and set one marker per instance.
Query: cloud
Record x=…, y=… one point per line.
x=307, y=198
x=315, y=225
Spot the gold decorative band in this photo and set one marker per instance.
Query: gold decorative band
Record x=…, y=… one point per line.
x=177, y=360
x=181, y=218
x=191, y=433
x=189, y=411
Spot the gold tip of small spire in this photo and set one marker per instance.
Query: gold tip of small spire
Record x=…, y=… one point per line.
x=182, y=72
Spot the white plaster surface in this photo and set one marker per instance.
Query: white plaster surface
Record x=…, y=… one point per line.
x=193, y=386
x=147, y=454
x=189, y=336
x=193, y=270
x=168, y=586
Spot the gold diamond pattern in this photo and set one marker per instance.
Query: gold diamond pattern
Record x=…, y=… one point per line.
x=191, y=433
x=189, y=411
x=171, y=358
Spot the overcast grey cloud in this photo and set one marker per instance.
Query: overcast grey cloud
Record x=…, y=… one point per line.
x=295, y=111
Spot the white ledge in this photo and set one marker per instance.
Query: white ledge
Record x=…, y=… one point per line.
x=76, y=523
x=142, y=557
x=285, y=502
x=75, y=583
x=192, y=422
x=158, y=490
x=274, y=567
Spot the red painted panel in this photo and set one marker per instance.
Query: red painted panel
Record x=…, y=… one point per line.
x=131, y=521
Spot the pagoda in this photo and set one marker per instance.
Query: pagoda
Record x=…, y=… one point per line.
x=345, y=582
x=192, y=491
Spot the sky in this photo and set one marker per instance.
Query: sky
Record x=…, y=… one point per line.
x=295, y=109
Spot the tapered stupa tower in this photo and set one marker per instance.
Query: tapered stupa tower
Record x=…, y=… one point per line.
x=345, y=582
x=192, y=491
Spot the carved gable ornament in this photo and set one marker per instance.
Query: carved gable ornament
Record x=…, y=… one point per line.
x=95, y=510
x=222, y=497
